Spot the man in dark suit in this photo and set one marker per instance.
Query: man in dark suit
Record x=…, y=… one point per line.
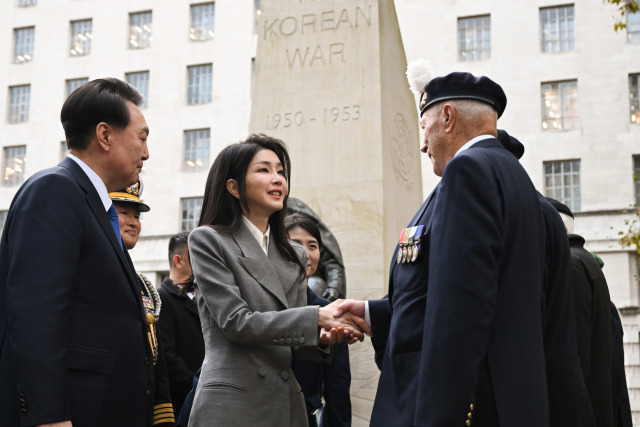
x=179, y=325
x=72, y=325
x=463, y=321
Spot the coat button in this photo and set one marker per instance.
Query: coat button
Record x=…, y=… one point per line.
x=295, y=341
x=148, y=392
x=282, y=341
x=20, y=395
x=276, y=341
x=146, y=360
x=262, y=372
x=289, y=341
x=467, y=423
x=301, y=340
x=471, y=407
x=284, y=375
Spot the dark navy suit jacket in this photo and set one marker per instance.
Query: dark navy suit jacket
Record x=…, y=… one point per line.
x=72, y=326
x=331, y=381
x=464, y=322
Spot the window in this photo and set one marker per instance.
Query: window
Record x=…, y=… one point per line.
x=190, y=213
x=557, y=29
x=19, y=97
x=140, y=30
x=3, y=218
x=14, y=163
x=256, y=17
x=474, y=38
x=636, y=177
x=200, y=77
x=633, y=27
x=560, y=105
x=202, y=20
x=634, y=98
x=562, y=182
x=23, y=48
x=25, y=3
x=64, y=150
x=73, y=84
x=140, y=81
x=81, y=37
x=196, y=149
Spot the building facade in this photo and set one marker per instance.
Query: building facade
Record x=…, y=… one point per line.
x=572, y=82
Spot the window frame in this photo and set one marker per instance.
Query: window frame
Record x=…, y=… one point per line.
x=18, y=110
x=478, y=49
x=197, y=140
x=558, y=190
x=196, y=90
x=194, y=216
x=142, y=86
x=85, y=38
x=565, y=122
x=9, y=162
x=202, y=27
x=144, y=38
x=565, y=38
x=23, y=44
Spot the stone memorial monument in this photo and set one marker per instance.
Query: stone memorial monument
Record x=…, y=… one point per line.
x=330, y=81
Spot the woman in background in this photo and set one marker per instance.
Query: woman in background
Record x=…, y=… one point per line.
x=317, y=380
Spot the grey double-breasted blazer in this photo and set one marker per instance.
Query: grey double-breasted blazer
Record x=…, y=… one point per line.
x=254, y=315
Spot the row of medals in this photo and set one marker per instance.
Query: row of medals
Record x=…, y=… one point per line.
x=409, y=244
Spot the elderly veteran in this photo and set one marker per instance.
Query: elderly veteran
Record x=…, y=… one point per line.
x=462, y=327
x=128, y=206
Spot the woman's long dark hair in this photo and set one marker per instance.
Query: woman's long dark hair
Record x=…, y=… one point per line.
x=223, y=212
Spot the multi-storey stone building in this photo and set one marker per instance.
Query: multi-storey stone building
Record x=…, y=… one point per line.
x=572, y=82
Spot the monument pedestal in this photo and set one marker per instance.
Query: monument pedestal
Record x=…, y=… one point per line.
x=330, y=82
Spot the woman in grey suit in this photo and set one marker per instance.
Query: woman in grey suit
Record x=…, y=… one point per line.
x=252, y=294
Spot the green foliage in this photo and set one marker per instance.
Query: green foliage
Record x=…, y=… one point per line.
x=631, y=236
x=625, y=7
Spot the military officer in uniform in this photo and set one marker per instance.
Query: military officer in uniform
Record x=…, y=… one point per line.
x=129, y=206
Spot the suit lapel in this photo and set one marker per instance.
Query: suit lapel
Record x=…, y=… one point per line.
x=257, y=264
x=97, y=208
x=287, y=271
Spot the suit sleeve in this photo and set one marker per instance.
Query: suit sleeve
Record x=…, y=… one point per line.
x=336, y=387
x=461, y=297
x=380, y=313
x=231, y=312
x=45, y=240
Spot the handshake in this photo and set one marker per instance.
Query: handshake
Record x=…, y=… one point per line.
x=342, y=321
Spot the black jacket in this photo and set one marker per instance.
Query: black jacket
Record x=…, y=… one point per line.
x=181, y=340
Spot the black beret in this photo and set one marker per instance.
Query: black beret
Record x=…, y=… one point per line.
x=560, y=207
x=514, y=146
x=463, y=86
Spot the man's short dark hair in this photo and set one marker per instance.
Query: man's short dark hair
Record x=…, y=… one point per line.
x=178, y=244
x=100, y=100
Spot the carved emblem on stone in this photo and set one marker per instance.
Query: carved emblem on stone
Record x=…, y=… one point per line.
x=401, y=151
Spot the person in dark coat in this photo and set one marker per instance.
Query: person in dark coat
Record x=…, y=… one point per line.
x=159, y=408
x=318, y=381
x=593, y=321
x=464, y=309
x=180, y=331
x=73, y=332
x=569, y=403
x=621, y=408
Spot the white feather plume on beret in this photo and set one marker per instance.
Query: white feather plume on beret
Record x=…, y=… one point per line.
x=419, y=73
